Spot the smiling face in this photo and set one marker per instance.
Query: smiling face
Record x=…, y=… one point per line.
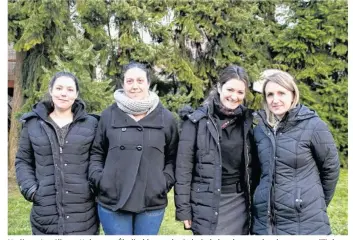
x=278, y=99
x=136, y=85
x=63, y=93
x=232, y=93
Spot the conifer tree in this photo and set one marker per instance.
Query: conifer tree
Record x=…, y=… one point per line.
x=313, y=46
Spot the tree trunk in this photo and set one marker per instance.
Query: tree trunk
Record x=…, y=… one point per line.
x=17, y=102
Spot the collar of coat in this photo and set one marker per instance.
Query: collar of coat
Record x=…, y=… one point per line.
x=156, y=119
x=43, y=109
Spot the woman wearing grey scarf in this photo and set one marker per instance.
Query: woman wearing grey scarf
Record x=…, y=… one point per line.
x=133, y=158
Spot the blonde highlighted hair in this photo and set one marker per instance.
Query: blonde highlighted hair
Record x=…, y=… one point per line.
x=283, y=79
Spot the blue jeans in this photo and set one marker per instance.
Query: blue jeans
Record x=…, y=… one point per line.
x=127, y=223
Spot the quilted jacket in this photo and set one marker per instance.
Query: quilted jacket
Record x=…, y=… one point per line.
x=54, y=176
x=299, y=173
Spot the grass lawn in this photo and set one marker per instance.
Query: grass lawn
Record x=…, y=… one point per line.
x=19, y=210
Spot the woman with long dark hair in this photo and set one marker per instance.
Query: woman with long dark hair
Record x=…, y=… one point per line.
x=214, y=169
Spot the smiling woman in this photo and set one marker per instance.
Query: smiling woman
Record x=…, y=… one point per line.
x=52, y=161
x=299, y=163
x=136, y=84
x=63, y=92
x=215, y=171
x=133, y=157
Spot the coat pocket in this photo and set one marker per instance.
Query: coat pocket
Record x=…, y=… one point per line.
x=156, y=190
x=200, y=187
x=298, y=201
x=156, y=139
x=201, y=194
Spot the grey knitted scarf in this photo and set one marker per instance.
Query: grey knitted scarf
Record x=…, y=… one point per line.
x=136, y=107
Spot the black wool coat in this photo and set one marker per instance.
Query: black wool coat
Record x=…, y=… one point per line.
x=299, y=173
x=57, y=176
x=199, y=168
x=132, y=163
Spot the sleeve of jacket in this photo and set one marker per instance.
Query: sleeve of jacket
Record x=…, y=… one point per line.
x=255, y=164
x=171, y=149
x=25, y=166
x=98, y=154
x=326, y=157
x=184, y=170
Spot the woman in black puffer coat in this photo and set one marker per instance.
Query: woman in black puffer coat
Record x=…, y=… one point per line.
x=52, y=162
x=299, y=163
x=215, y=169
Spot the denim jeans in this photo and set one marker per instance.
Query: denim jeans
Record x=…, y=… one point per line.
x=128, y=223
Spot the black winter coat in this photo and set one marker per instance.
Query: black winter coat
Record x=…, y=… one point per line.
x=57, y=175
x=299, y=173
x=199, y=169
x=132, y=163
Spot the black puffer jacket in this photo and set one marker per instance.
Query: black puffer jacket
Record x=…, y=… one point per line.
x=299, y=173
x=132, y=163
x=199, y=169
x=57, y=175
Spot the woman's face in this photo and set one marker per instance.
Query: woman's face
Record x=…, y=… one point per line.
x=63, y=93
x=278, y=98
x=232, y=93
x=135, y=84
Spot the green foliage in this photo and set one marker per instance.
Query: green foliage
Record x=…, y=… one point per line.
x=187, y=43
x=96, y=94
x=313, y=47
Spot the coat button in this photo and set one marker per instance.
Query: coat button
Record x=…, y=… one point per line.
x=139, y=148
x=216, y=213
x=65, y=164
x=123, y=129
x=67, y=192
x=140, y=129
x=122, y=147
x=67, y=216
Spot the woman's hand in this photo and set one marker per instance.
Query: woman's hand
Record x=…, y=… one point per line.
x=187, y=224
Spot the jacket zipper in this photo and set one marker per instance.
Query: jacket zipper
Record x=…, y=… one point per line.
x=274, y=231
x=61, y=162
x=248, y=185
